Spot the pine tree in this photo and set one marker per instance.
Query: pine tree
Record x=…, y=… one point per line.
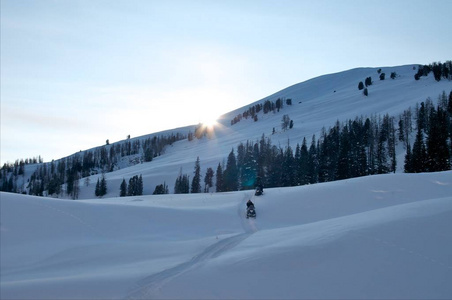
x=408, y=168
x=421, y=117
x=360, y=85
x=208, y=180
x=123, y=188
x=297, y=158
x=140, y=186
x=288, y=172
x=231, y=174
x=97, y=190
x=196, y=182
x=304, y=163
x=219, y=179
x=438, y=156
x=182, y=185
x=313, y=162
x=103, y=186
x=161, y=189
x=419, y=153
x=148, y=155
x=449, y=106
x=276, y=158
x=344, y=161
x=132, y=187
x=135, y=187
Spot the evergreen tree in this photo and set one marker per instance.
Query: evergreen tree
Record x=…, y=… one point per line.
x=161, y=189
x=276, y=159
x=360, y=85
x=196, y=182
x=288, y=172
x=421, y=117
x=208, y=180
x=313, y=162
x=123, y=188
x=419, y=153
x=219, y=179
x=131, y=187
x=344, y=161
x=140, y=186
x=97, y=190
x=148, y=155
x=182, y=185
x=449, y=105
x=408, y=167
x=297, y=158
x=303, y=167
x=135, y=186
x=438, y=156
x=103, y=186
x=231, y=174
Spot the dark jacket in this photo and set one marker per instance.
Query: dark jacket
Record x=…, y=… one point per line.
x=249, y=203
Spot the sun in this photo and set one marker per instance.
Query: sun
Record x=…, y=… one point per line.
x=209, y=121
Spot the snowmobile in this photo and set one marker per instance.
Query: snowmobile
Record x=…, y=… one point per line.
x=259, y=191
x=251, y=212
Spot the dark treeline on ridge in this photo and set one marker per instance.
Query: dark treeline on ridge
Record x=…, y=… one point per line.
x=266, y=107
x=64, y=175
x=359, y=147
x=439, y=70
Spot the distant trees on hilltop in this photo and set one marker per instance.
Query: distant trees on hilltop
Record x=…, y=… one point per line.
x=439, y=70
x=268, y=106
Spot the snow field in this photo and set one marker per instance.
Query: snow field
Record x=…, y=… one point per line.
x=384, y=236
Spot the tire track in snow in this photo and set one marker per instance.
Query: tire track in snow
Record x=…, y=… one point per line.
x=150, y=286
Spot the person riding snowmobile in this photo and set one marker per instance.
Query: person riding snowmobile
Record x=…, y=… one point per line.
x=250, y=210
x=249, y=203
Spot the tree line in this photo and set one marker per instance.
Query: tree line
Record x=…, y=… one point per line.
x=63, y=176
x=431, y=150
x=266, y=107
x=359, y=147
x=439, y=70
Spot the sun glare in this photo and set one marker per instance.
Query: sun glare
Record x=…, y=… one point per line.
x=209, y=122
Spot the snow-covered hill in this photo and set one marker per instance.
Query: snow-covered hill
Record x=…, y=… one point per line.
x=316, y=103
x=385, y=236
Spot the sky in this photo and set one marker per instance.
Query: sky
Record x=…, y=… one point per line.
x=75, y=73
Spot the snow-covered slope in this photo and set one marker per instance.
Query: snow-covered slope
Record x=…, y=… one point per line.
x=385, y=236
x=317, y=103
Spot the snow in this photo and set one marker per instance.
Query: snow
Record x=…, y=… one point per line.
x=317, y=103
x=385, y=236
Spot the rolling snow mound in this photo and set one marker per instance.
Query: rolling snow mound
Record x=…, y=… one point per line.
x=385, y=236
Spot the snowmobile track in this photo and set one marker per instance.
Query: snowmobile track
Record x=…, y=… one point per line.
x=150, y=286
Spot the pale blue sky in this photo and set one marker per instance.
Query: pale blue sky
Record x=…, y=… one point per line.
x=75, y=73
